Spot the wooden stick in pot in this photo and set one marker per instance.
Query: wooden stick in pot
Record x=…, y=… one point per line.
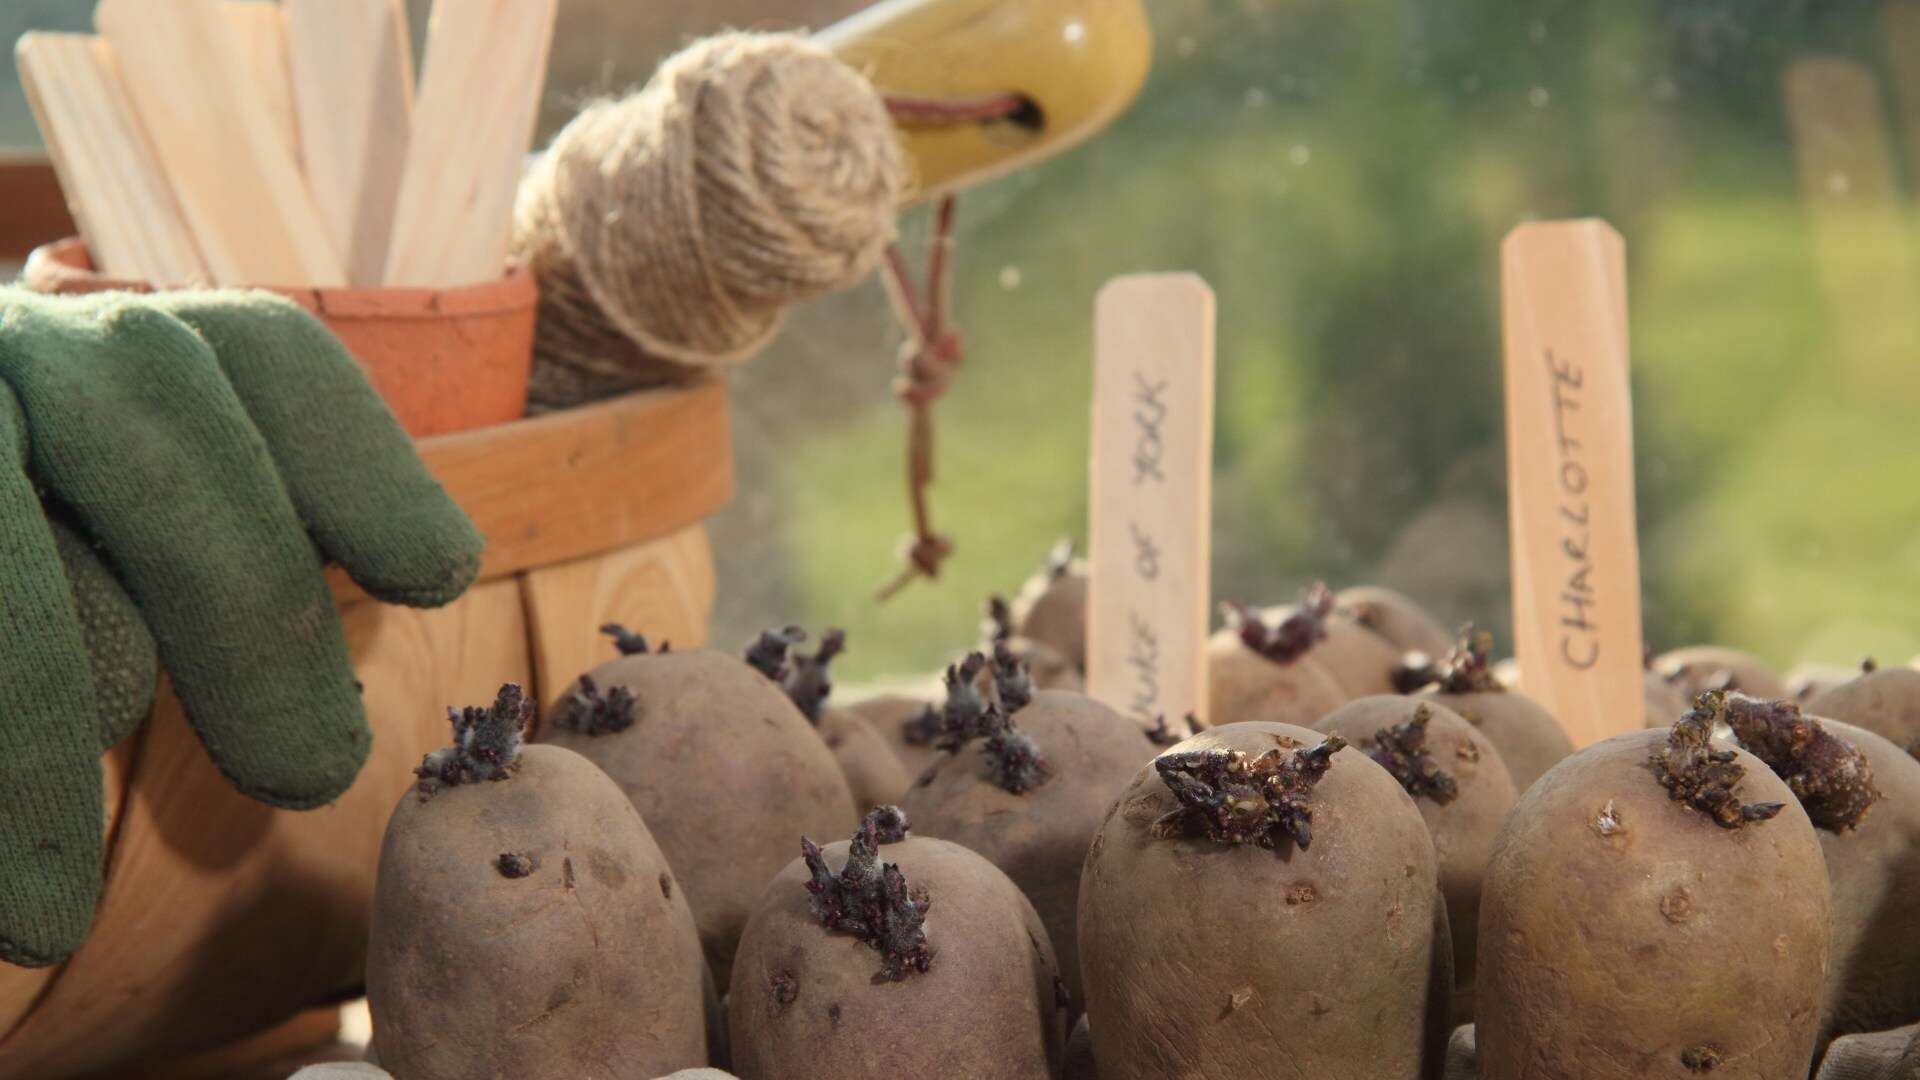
x=113, y=183
x=238, y=185
x=352, y=64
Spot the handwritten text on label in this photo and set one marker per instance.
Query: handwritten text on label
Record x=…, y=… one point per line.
x=1148, y=450
x=1580, y=637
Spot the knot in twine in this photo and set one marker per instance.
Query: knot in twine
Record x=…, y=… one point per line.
x=927, y=368
x=927, y=552
x=752, y=172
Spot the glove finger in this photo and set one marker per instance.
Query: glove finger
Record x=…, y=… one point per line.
x=120, y=650
x=135, y=429
x=51, y=807
x=351, y=471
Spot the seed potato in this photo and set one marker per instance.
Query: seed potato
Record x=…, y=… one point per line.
x=1035, y=828
x=1529, y=739
x=1051, y=607
x=1280, y=917
x=1656, y=906
x=873, y=772
x=1863, y=795
x=719, y=762
x=1885, y=701
x=1716, y=667
x=1463, y=792
x=525, y=923
x=908, y=725
x=1260, y=669
x=1405, y=625
x=894, y=956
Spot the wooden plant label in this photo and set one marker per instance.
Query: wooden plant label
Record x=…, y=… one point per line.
x=1576, y=561
x=1150, y=514
x=352, y=65
x=261, y=31
x=111, y=178
x=453, y=214
x=225, y=157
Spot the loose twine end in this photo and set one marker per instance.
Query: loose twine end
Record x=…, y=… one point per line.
x=933, y=350
x=929, y=360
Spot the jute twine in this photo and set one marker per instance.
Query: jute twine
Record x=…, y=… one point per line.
x=670, y=229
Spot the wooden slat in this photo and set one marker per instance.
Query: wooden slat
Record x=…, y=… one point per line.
x=484, y=59
x=113, y=181
x=663, y=588
x=33, y=209
x=1570, y=490
x=265, y=1056
x=262, y=35
x=240, y=190
x=353, y=89
x=570, y=484
x=1151, y=507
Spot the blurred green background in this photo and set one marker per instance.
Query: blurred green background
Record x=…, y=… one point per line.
x=1342, y=172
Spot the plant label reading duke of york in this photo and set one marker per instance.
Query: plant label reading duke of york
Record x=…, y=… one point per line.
x=1576, y=562
x=1151, y=486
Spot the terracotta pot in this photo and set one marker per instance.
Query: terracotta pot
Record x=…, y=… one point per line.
x=445, y=359
x=222, y=917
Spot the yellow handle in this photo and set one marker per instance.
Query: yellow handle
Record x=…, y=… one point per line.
x=1076, y=63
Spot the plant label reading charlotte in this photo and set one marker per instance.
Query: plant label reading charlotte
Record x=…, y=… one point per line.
x=1151, y=495
x=1570, y=491
x=1579, y=637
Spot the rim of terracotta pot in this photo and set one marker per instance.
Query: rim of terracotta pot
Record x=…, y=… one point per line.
x=66, y=266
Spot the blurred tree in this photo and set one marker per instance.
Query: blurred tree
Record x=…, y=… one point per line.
x=1342, y=172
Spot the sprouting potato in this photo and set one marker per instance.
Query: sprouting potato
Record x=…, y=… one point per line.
x=1260, y=669
x=1529, y=739
x=1808, y=681
x=1051, y=668
x=1462, y=790
x=1666, y=702
x=1885, y=701
x=719, y=762
x=1862, y=794
x=1405, y=625
x=1656, y=906
x=1716, y=667
x=874, y=772
x=1360, y=659
x=894, y=956
x=525, y=923
x=1260, y=902
x=1051, y=607
x=909, y=725
x=1030, y=777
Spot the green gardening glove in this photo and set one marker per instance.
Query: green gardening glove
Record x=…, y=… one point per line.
x=210, y=450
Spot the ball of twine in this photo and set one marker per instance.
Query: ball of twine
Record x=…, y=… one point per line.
x=671, y=229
